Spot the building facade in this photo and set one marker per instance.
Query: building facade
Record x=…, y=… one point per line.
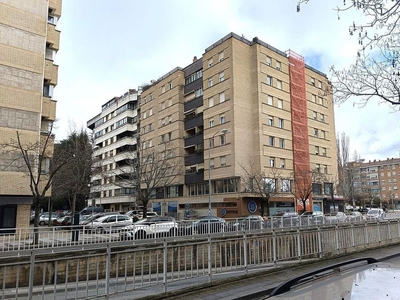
x=115, y=134
x=375, y=183
x=242, y=103
x=28, y=43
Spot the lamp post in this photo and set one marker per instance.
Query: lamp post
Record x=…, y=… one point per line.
x=223, y=131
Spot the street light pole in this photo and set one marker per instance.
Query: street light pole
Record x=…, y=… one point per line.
x=223, y=131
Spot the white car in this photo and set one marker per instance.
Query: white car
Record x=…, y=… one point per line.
x=375, y=214
x=108, y=223
x=150, y=228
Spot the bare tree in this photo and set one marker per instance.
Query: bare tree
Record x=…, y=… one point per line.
x=303, y=183
x=155, y=168
x=262, y=183
x=375, y=72
x=36, y=160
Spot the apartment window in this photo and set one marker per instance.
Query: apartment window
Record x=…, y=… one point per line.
x=210, y=82
x=280, y=103
x=211, y=123
x=221, y=76
x=322, y=117
x=211, y=163
x=270, y=121
x=280, y=123
x=272, y=161
x=278, y=65
x=211, y=102
x=221, y=97
x=269, y=80
x=279, y=84
x=271, y=140
x=282, y=163
x=222, y=119
x=199, y=92
x=210, y=63
x=221, y=56
x=314, y=98
x=314, y=115
x=323, y=151
x=270, y=100
x=223, y=161
x=312, y=81
x=281, y=143
x=222, y=139
x=268, y=61
x=315, y=132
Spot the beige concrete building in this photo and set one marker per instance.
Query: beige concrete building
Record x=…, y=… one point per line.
x=243, y=102
x=29, y=41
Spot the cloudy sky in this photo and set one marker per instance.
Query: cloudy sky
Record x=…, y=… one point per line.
x=108, y=47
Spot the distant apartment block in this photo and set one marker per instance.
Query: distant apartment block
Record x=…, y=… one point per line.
x=242, y=102
x=28, y=44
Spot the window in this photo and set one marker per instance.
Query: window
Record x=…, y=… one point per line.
x=268, y=60
x=223, y=161
x=312, y=81
x=315, y=132
x=279, y=84
x=286, y=185
x=282, y=163
x=222, y=139
x=210, y=102
x=221, y=97
x=221, y=56
x=322, y=117
x=211, y=163
x=316, y=150
x=280, y=123
x=269, y=80
x=222, y=119
x=278, y=65
x=221, y=76
x=281, y=143
x=313, y=98
x=272, y=161
x=280, y=103
x=270, y=121
x=211, y=123
x=210, y=63
x=270, y=100
x=271, y=140
x=210, y=82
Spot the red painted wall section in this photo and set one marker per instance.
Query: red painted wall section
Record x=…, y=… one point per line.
x=301, y=155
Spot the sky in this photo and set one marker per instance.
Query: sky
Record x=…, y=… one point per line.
x=108, y=47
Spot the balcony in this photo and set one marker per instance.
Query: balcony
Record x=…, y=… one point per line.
x=51, y=72
x=193, y=121
x=194, y=159
x=196, y=177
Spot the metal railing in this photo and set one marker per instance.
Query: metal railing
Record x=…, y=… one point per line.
x=103, y=269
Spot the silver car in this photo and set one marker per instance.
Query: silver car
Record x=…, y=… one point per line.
x=108, y=223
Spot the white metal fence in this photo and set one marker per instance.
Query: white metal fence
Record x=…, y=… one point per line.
x=98, y=270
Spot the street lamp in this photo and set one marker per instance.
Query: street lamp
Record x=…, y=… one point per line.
x=223, y=131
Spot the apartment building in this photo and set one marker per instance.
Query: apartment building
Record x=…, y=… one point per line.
x=243, y=102
x=115, y=133
x=28, y=44
x=375, y=182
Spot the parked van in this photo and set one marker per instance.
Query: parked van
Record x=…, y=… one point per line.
x=90, y=209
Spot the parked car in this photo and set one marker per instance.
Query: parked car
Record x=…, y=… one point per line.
x=108, y=223
x=150, y=228
x=247, y=223
x=312, y=217
x=208, y=224
x=354, y=216
x=335, y=217
x=375, y=214
x=44, y=218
